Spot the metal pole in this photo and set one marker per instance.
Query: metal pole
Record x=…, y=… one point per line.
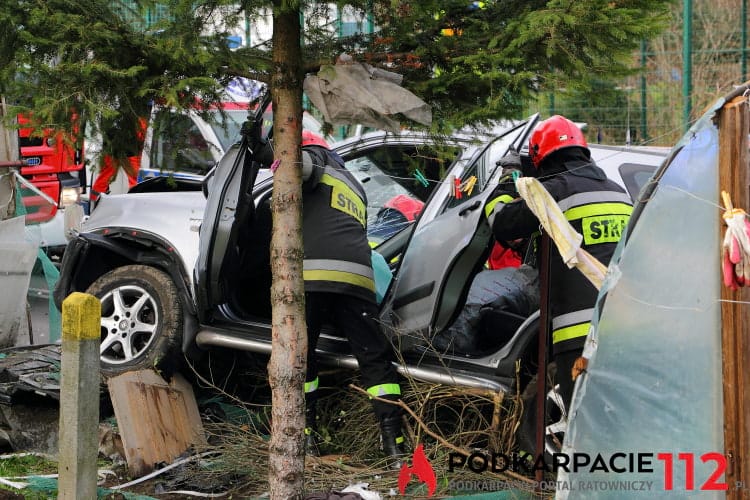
x=687, y=62
x=541, y=376
x=551, y=103
x=9, y=158
x=370, y=19
x=247, y=29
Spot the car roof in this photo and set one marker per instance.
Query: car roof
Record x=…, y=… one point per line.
x=406, y=137
x=629, y=166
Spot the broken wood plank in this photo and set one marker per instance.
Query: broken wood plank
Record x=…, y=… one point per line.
x=158, y=421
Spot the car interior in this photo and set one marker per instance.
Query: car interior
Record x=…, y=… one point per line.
x=248, y=276
x=384, y=172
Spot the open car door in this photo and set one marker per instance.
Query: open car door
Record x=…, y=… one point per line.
x=229, y=204
x=447, y=248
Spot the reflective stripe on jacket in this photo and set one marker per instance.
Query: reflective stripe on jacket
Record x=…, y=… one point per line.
x=596, y=207
x=334, y=217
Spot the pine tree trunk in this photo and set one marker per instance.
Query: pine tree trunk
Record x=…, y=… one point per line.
x=286, y=370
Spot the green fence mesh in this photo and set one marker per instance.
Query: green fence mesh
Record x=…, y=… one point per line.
x=44, y=264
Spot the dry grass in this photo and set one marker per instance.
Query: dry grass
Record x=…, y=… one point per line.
x=445, y=419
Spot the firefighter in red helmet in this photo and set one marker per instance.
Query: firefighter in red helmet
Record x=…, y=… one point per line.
x=595, y=206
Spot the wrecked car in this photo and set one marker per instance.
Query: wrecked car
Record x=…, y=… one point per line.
x=189, y=269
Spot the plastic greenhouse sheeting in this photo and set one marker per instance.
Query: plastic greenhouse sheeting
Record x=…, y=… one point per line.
x=654, y=380
x=17, y=261
x=49, y=270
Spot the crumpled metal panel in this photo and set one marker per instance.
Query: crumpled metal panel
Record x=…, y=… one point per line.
x=17, y=258
x=30, y=370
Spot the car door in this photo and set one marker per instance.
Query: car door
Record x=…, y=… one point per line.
x=218, y=220
x=446, y=247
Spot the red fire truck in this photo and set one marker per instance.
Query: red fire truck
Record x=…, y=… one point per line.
x=52, y=178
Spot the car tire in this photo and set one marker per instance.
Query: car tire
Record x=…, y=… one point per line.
x=555, y=422
x=141, y=322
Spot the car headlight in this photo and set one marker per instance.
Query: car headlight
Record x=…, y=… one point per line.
x=69, y=196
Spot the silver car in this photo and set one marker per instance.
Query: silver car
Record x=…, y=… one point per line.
x=184, y=264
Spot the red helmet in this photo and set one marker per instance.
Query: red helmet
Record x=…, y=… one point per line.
x=313, y=139
x=553, y=134
x=406, y=205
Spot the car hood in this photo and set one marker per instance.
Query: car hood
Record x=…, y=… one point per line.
x=174, y=217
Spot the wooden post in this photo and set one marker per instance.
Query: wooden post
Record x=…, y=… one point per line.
x=735, y=314
x=79, y=397
x=544, y=334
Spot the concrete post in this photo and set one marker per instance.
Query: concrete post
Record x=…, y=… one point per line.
x=79, y=397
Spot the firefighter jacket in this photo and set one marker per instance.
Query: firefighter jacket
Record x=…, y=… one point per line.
x=598, y=209
x=334, y=218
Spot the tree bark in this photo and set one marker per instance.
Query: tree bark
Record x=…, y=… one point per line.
x=286, y=369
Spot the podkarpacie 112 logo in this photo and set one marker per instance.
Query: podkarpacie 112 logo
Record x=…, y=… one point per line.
x=421, y=469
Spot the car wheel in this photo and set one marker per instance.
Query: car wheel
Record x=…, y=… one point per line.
x=556, y=422
x=141, y=320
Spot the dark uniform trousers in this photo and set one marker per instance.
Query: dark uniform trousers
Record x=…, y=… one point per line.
x=356, y=318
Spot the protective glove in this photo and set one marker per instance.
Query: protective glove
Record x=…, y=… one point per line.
x=736, y=247
x=264, y=153
x=507, y=181
x=579, y=367
x=735, y=250
x=511, y=160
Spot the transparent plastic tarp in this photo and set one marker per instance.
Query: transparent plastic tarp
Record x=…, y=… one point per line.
x=653, y=383
x=41, y=235
x=37, y=206
x=17, y=258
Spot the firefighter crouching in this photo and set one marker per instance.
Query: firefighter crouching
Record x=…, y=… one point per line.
x=595, y=206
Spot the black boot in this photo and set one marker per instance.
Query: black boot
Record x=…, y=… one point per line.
x=312, y=445
x=394, y=447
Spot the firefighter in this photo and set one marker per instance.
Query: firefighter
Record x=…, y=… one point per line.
x=340, y=287
x=595, y=206
x=110, y=166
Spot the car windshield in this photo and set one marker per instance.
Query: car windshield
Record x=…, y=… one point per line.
x=398, y=179
x=378, y=185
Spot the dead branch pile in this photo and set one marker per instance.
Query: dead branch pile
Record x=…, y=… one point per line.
x=445, y=419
